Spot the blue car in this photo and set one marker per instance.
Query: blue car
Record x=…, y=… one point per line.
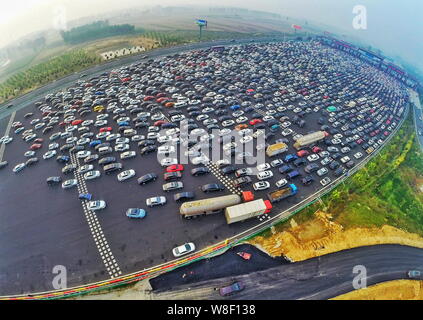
x=136, y=213
x=85, y=196
x=94, y=143
x=235, y=107
x=290, y=157
x=123, y=123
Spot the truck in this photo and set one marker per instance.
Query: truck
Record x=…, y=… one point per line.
x=309, y=139
x=275, y=149
x=282, y=193
x=247, y=210
x=194, y=209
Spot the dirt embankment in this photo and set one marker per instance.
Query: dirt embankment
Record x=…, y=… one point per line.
x=321, y=236
x=390, y=290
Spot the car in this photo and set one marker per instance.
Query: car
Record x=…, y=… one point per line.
x=276, y=163
x=112, y=167
x=325, y=181
x=313, y=157
x=149, y=177
x=261, y=185
x=183, y=196
x=415, y=274
x=322, y=171
x=69, y=168
x=281, y=183
x=307, y=180
x=69, y=183
x=263, y=175
x=358, y=155
x=170, y=176
x=200, y=171
x=232, y=289
x=148, y=149
x=212, y=187
x=175, y=167
x=96, y=205
x=128, y=155
x=136, y=213
x=85, y=196
x=83, y=154
x=125, y=175
x=53, y=180
x=183, y=249
x=311, y=168
x=155, y=201
x=49, y=154
x=93, y=174
x=174, y=185
x=243, y=172
x=106, y=160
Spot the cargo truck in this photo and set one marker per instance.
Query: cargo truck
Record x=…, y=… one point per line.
x=247, y=210
x=276, y=148
x=282, y=193
x=309, y=139
x=194, y=209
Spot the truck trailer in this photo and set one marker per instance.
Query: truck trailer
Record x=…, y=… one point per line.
x=193, y=209
x=247, y=210
x=282, y=193
x=276, y=148
x=309, y=139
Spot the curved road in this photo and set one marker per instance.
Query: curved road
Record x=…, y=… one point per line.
x=318, y=278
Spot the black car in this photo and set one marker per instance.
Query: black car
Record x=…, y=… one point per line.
x=148, y=149
x=307, y=180
x=200, y=171
x=53, y=180
x=170, y=176
x=333, y=165
x=211, y=187
x=340, y=171
x=146, y=143
x=285, y=169
x=242, y=181
x=106, y=160
x=184, y=196
x=311, y=168
x=149, y=177
x=69, y=168
x=300, y=162
x=229, y=170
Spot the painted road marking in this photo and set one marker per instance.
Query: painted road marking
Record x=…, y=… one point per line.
x=9, y=126
x=95, y=227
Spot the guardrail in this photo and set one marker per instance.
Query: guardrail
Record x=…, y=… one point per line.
x=209, y=252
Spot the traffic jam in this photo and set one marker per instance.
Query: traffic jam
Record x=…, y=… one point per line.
x=311, y=111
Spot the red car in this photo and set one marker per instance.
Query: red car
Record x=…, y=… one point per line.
x=316, y=149
x=148, y=98
x=255, y=121
x=104, y=129
x=35, y=146
x=303, y=153
x=175, y=167
x=76, y=122
x=126, y=79
x=158, y=123
x=39, y=140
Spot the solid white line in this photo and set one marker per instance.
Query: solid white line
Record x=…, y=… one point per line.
x=9, y=126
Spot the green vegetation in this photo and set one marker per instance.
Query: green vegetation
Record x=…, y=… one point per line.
x=386, y=191
x=95, y=30
x=46, y=72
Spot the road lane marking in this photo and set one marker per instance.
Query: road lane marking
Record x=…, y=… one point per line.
x=9, y=126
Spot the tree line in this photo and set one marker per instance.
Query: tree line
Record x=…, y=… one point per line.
x=95, y=30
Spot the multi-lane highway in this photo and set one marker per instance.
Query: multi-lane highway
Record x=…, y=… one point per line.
x=319, y=278
x=418, y=116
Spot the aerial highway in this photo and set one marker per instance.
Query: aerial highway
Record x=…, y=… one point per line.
x=323, y=277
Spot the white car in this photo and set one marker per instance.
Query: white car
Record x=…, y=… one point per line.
x=125, y=175
x=276, y=163
x=264, y=175
x=261, y=185
x=281, y=183
x=201, y=159
x=19, y=167
x=165, y=149
x=49, y=154
x=155, y=201
x=263, y=166
x=322, y=172
x=96, y=205
x=121, y=147
x=113, y=136
x=227, y=123
x=246, y=139
x=152, y=135
x=313, y=157
x=345, y=159
x=53, y=146
x=184, y=249
x=29, y=154
x=90, y=175
x=128, y=154
x=122, y=140
x=85, y=168
x=168, y=162
x=241, y=119
x=69, y=183
x=83, y=154
x=325, y=181
x=358, y=155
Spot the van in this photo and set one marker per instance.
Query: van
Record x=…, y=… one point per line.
x=293, y=174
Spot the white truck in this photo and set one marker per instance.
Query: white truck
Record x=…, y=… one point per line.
x=247, y=210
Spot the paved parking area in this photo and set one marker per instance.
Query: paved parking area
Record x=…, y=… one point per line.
x=279, y=83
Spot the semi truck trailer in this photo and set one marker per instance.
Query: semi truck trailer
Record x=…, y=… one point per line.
x=276, y=148
x=247, y=210
x=308, y=139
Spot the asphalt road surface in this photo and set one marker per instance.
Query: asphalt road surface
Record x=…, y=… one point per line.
x=319, y=278
x=418, y=116
x=42, y=227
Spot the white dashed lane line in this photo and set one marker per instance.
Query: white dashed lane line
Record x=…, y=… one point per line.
x=101, y=243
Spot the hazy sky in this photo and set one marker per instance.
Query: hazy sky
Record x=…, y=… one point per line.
x=395, y=26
